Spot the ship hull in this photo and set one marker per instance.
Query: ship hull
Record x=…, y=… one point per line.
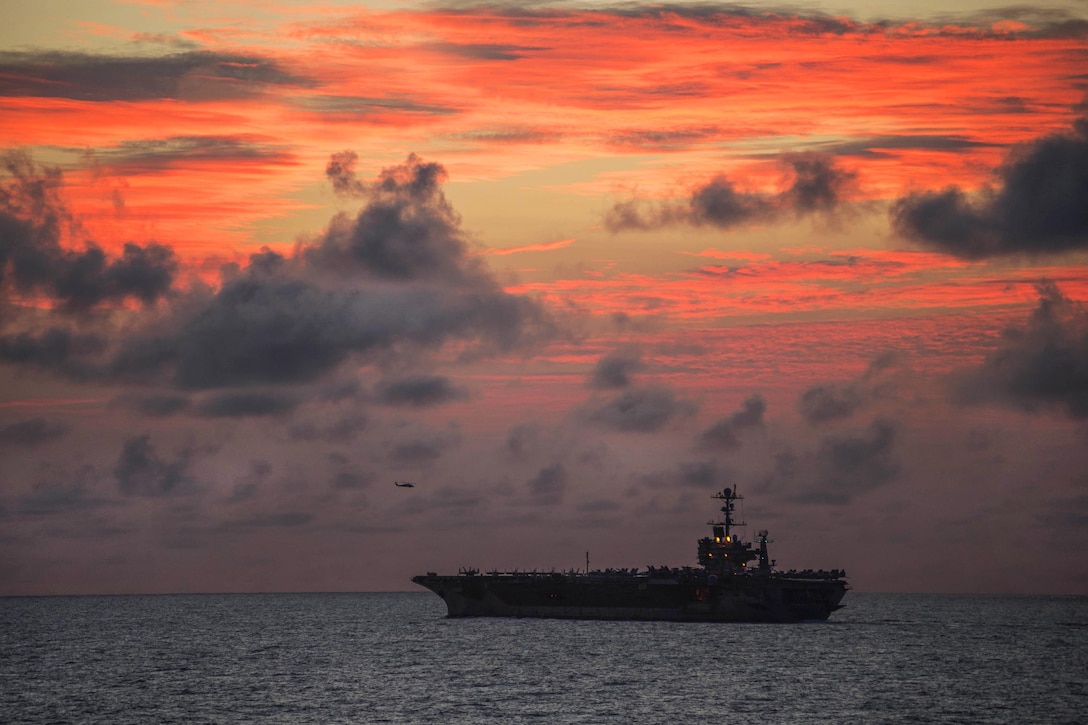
x=742, y=598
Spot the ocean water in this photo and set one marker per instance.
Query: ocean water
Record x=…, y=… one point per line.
x=395, y=658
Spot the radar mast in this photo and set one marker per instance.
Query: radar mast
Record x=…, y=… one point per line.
x=729, y=495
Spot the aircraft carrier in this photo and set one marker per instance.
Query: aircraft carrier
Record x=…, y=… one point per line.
x=734, y=582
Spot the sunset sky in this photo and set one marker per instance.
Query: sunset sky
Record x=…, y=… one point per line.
x=570, y=268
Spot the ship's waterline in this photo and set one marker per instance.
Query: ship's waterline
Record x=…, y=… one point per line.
x=723, y=588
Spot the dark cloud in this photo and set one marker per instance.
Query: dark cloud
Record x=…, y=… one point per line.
x=351, y=479
x=522, y=441
x=292, y=320
x=818, y=184
x=282, y=329
x=339, y=431
x=699, y=475
x=510, y=135
x=833, y=402
x=56, y=349
x=822, y=403
x=664, y=140
x=483, y=51
x=397, y=280
x=1038, y=21
x=844, y=466
x=548, y=485
x=879, y=146
x=719, y=204
x=419, y=392
x=276, y=520
x=1039, y=205
x=813, y=184
x=352, y=107
x=156, y=406
x=1042, y=363
x=246, y=487
x=191, y=76
x=32, y=432
x=407, y=230
x=420, y=451
x=692, y=474
x=614, y=371
x=1067, y=513
x=151, y=155
x=340, y=171
x=245, y=404
x=172, y=41
x=640, y=410
x=677, y=17
x=141, y=472
x=33, y=221
x=58, y=492
x=723, y=435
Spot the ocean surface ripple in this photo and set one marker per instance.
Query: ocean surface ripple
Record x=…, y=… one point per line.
x=395, y=658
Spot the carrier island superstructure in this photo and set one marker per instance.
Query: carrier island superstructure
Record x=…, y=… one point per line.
x=733, y=582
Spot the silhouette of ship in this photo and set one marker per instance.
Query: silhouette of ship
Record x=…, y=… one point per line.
x=723, y=588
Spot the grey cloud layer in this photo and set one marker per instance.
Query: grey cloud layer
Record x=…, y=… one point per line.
x=192, y=76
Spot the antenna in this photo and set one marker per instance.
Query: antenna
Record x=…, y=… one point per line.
x=729, y=496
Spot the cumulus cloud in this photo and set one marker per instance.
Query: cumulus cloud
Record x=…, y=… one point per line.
x=1042, y=363
x=522, y=441
x=844, y=466
x=290, y=320
x=614, y=371
x=33, y=222
x=640, y=410
x=58, y=492
x=814, y=184
x=283, y=329
x=32, y=432
x=827, y=402
x=140, y=471
x=243, y=404
x=340, y=430
x=246, y=487
x=155, y=405
x=724, y=434
x=548, y=485
x=56, y=349
x=422, y=449
x=1039, y=204
x=407, y=230
x=839, y=401
x=281, y=319
x=419, y=391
